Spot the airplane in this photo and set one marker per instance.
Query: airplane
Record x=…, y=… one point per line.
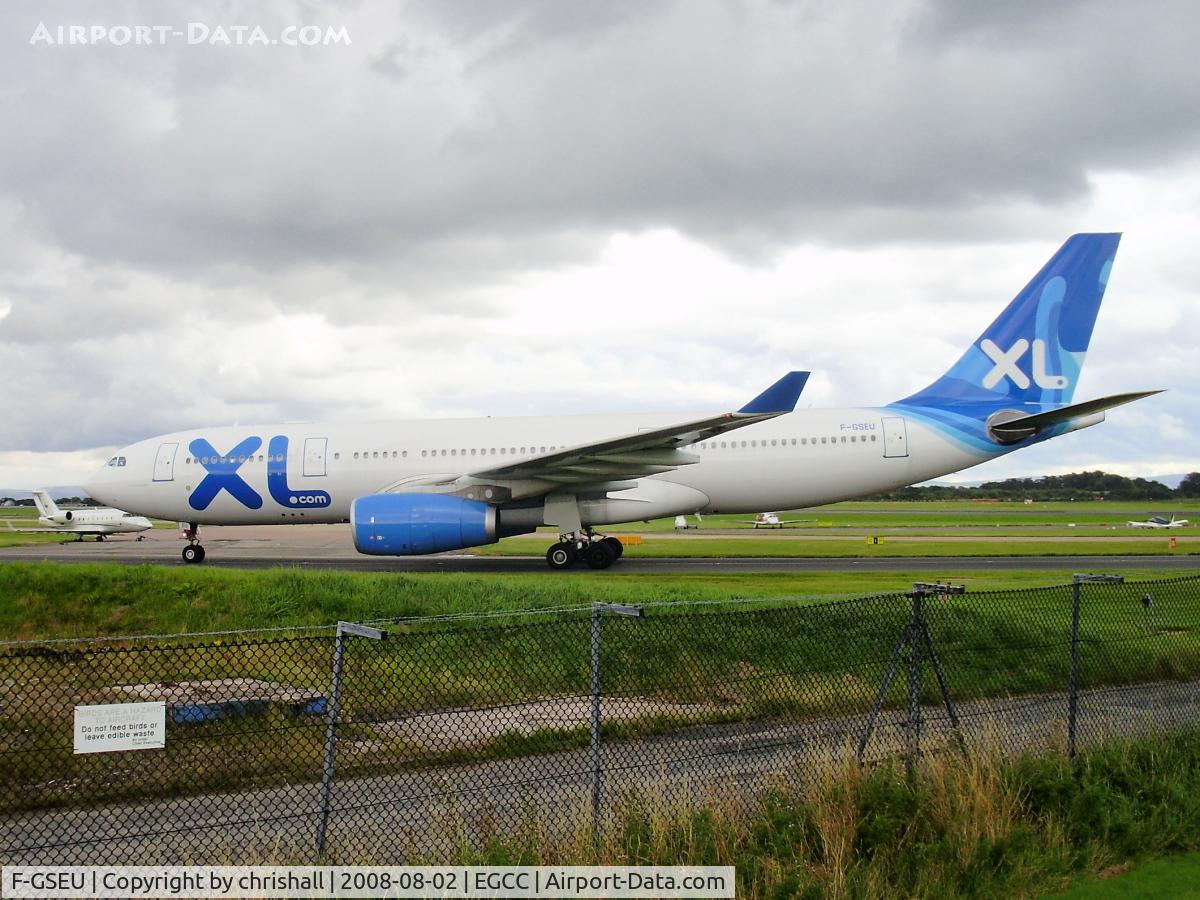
x=772, y=520
x=81, y=522
x=1159, y=522
x=427, y=486
x=682, y=524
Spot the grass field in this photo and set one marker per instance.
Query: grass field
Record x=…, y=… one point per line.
x=48, y=600
x=1171, y=878
x=889, y=545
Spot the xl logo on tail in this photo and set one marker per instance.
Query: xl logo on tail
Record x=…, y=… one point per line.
x=1006, y=365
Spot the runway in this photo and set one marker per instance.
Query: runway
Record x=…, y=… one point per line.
x=330, y=547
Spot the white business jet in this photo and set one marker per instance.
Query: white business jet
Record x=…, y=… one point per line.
x=97, y=521
x=428, y=486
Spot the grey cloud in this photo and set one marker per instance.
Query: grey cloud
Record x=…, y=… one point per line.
x=748, y=125
x=152, y=199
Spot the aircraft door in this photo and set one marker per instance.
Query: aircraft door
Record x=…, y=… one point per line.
x=895, y=436
x=164, y=462
x=314, y=456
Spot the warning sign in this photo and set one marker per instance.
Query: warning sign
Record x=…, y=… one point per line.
x=120, y=726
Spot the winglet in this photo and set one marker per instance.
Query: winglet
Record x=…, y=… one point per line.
x=780, y=397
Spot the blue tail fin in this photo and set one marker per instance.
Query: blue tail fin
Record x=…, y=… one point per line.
x=1033, y=352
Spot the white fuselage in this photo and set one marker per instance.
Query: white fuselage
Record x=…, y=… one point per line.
x=805, y=458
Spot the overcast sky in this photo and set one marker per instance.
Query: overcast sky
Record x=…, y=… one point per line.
x=479, y=207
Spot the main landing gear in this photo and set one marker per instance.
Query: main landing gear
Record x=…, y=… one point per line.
x=194, y=551
x=597, y=551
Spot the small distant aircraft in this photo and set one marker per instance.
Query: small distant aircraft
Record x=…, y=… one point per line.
x=100, y=521
x=1158, y=522
x=772, y=520
x=682, y=524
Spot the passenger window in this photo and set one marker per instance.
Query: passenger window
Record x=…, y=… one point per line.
x=454, y=453
x=356, y=454
x=404, y=454
x=337, y=456
x=824, y=440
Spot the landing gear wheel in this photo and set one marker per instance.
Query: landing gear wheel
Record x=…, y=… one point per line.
x=193, y=553
x=561, y=556
x=600, y=555
x=615, y=545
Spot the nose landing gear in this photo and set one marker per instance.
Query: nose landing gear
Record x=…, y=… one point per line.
x=598, y=551
x=194, y=551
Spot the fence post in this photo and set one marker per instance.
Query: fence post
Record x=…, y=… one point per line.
x=1073, y=688
x=914, y=677
x=596, y=763
x=595, y=736
x=332, y=710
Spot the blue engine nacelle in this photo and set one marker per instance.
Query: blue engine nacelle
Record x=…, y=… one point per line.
x=412, y=524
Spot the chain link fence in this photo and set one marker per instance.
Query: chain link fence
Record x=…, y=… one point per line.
x=416, y=740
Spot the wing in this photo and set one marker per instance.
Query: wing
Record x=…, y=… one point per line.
x=647, y=452
x=604, y=464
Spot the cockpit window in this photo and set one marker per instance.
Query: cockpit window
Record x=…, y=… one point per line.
x=112, y=462
x=120, y=460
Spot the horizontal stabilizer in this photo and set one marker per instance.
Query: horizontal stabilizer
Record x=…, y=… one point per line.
x=780, y=397
x=1010, y=426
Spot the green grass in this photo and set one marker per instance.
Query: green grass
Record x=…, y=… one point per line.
x=892, y=545
x=983, y=826
x=49, y=600
x=1176, y=877
x=856, y=514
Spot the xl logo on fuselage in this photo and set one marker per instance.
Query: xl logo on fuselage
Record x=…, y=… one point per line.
x=221, y=475
x=1006, y=365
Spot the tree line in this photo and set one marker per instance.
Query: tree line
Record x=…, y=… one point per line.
x=1076, y=486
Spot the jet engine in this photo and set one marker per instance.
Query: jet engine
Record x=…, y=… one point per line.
x=413, y=524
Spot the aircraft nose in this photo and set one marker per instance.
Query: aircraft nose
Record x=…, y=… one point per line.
x=94, y=485
x=100, y=483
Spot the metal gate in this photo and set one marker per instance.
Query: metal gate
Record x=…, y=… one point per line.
x=164, y=462
x=895, y=436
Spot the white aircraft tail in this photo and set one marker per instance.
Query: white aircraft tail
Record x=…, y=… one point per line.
x=46, y=506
